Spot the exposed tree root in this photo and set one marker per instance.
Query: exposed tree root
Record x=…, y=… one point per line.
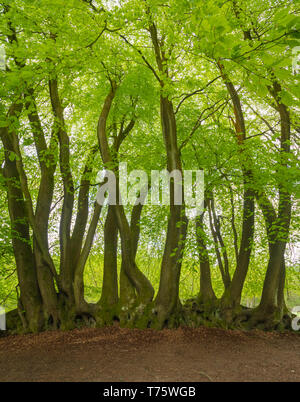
x=192, y=314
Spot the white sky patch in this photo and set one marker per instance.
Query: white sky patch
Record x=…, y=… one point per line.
x=296, y=60
x=2, y=57
x=109, y=4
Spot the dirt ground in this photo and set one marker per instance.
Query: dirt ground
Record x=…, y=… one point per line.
x=116, y=355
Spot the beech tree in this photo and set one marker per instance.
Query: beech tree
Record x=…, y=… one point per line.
x=175, y=85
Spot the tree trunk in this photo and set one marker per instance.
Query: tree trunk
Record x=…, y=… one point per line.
x=278, y=238
x=109, y=295
x=26, y=269
x=207, y=294
x=127, y=291
x=78, y=283
x=66, y=266
x=233, y=297
x=167, y=297
x=243, y=260
x=141, y=283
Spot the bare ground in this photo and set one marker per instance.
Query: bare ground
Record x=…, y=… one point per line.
x=114, y=354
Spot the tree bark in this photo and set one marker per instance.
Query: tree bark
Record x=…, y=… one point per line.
x=26, y=269
x=110, y=295
x=243, y=260
x=66, y=267
x=207, y=294
x=78, y=284
x=141, y=283
x=167, y=299
x=279, y=239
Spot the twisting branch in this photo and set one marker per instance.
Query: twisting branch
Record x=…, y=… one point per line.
x=143, y=57
x=200, y=121
x=198, y=91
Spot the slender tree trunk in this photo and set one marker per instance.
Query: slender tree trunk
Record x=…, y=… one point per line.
x=141, y=283
x=26, y=269
x=66, y=266
x=167, y=298
x=207, y=294
x=78, y=284
x=273, y=278
x=218, y=238
x=225, y=279
x=243, y=260
x=127, y=291
x=109, y=295
x=43, y=206
x=233, y=298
